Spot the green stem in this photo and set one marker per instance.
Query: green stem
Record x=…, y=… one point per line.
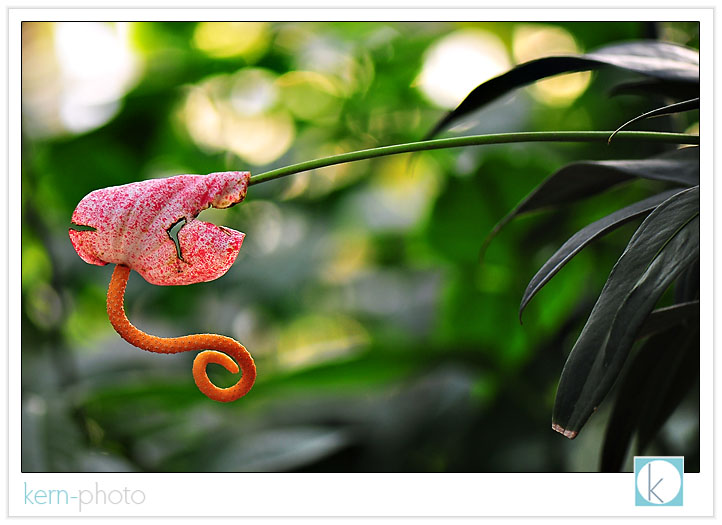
x=476, y=140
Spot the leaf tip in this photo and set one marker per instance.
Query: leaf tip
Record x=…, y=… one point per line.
x=609, y=140
x=524, y=301
x=571, y=434
x=490, y=237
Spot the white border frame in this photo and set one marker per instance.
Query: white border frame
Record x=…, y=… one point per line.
x=362, y=494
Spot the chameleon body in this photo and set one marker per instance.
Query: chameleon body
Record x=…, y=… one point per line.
x=131, y=226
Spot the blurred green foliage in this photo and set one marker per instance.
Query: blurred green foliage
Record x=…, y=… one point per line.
x=382, y=344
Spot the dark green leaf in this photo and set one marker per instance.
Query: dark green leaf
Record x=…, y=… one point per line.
x=679, y=107
x=687, y=287
x=652, y=58
x=681, y=374
x=663, y=246
x=668, y=88
x=663, y=318
x=585, y=236
x=631, y=399
x=583, y=179
x=653, y=372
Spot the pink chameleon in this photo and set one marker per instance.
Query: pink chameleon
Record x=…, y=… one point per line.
x=132, y=226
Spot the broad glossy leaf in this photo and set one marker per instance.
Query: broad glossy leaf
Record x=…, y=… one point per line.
x=584, y=179
x=652, y=373
x=663, y=246
x=652, y=58
x=586, y=235
x=663, y=318
x=679, y=107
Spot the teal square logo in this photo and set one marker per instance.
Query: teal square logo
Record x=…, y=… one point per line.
x=659, y=481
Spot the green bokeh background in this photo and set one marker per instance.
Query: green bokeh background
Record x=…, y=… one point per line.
x=382, y=344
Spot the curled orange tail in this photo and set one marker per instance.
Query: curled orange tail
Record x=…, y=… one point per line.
x=171, y=345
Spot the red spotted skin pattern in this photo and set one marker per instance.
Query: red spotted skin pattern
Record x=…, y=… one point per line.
x=131, y=227
x=172, y=345
x=132, y=224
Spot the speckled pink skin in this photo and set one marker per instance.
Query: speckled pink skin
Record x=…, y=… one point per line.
x=132, y=223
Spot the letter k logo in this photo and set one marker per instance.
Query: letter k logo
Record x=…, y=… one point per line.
x=649, y=484
x=658, y=480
